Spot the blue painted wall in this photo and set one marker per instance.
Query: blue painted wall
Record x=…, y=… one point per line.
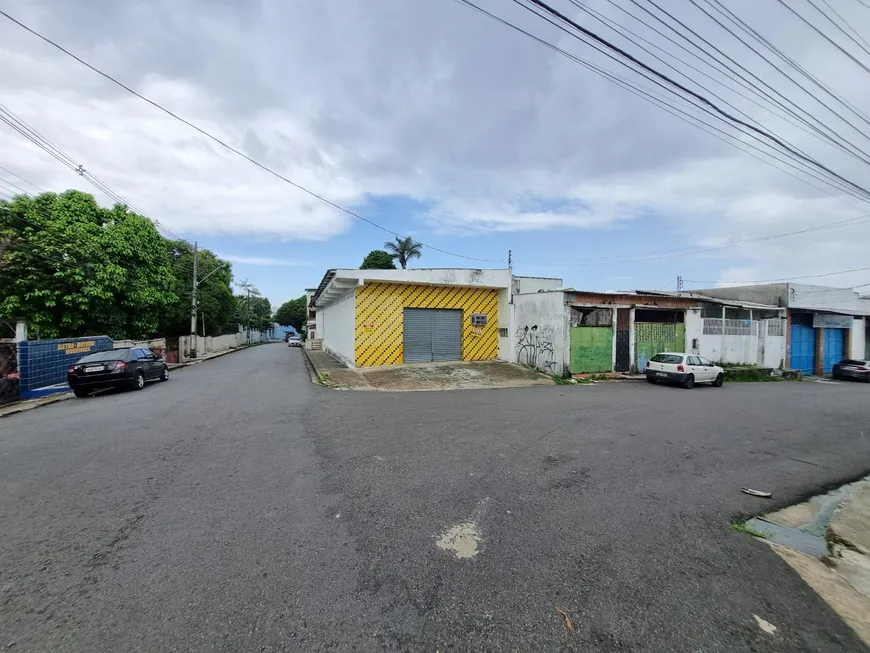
x=44, y=363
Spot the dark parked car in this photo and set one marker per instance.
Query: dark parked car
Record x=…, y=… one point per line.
x=130, y=367
x=852, y=369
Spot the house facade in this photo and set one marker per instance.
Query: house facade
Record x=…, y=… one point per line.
x=579, y=332
x=371, y=318
x=823, y=324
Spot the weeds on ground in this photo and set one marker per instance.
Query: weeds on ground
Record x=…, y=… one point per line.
x=745, y=527
x=750, y=374
x=560, y=380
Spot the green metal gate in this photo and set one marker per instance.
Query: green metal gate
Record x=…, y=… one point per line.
x=591, y=349
x=650, y=338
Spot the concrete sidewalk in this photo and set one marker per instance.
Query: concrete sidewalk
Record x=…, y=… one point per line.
x=841, y=521
x=415, y=377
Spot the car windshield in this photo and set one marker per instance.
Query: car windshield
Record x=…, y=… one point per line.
x=667, y=358
x=109, y=355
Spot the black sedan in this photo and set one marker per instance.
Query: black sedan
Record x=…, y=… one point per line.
x=852, y=369
x=130, y=367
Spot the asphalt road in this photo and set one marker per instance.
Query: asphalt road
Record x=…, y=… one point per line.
x=240, y=508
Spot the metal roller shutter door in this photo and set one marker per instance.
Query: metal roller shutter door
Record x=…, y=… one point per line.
x=447, y=335
x=419, y=323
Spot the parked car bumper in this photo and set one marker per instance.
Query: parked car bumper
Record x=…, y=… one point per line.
x=847, y=374
x=676, y=377
x=98, y=380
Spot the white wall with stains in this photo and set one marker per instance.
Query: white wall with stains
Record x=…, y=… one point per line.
x=336, y=325
x=859, y=335
x=540, y=332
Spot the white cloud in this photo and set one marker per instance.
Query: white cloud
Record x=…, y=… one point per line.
x=427, y=100
x=261, y=260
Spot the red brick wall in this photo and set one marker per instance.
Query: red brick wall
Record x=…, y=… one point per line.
x=634, y=300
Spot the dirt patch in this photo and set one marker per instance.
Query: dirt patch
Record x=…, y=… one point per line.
x=442, y=376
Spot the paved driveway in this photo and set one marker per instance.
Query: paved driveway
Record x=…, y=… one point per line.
x=238, y=507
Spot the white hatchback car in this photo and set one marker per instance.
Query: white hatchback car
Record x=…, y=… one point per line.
x=685, y=369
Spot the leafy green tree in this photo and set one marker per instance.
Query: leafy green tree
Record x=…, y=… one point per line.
x=252, y=309
x=377, y=259
x=293, y=313
x=403, y=250
x=216, y=305
x=71, y=268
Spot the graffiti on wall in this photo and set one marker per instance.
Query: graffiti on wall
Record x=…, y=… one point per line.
x=535, y=347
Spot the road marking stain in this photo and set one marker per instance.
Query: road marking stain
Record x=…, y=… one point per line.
x=463, y=539
x=766, y=626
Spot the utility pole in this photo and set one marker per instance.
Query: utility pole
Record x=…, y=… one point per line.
x=679, y=283
x=510, y=260
x=193, y=302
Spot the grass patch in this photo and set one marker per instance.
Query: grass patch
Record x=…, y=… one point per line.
x=749, y=374
x=560, y=380
x=745, y=527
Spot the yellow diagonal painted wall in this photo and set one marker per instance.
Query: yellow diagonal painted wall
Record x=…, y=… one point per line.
x=379, y=320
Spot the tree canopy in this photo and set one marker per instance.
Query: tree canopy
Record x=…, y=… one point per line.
x=403, y=250
x=378, y=259
x=292, y=313
x=216, y=306
x=70, y=268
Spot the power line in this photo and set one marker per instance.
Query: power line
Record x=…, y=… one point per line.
x=697, y=96
x=7, y=170
x=235, y=150
x=19, y=125
x=845, y=22
x=656, y=100
x=804, y=276
x=663, y=104
x=728, y=72
x=689, y=251
x=9, y=183
x=617, y=27
x=730, y=15
x=824, y=36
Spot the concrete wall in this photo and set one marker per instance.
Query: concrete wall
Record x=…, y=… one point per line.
x=153, y=344
x=859, y=331
x=436, y=276
x=524, y=285
x=694, y=332
x=774, y=294
x=337, y=327
x=826, y=298
x=540, y=332
x=774, y=352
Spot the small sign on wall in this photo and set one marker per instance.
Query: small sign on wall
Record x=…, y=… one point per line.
x=368, y=326
x=831, y=321
x=476, y=331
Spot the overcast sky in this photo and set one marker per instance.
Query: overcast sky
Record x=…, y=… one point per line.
x=433, y=120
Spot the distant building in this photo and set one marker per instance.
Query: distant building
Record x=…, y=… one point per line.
x=823, y=324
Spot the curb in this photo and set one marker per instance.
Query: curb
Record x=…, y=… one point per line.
x=42, y=401
x=312, y=368
x=197, y=361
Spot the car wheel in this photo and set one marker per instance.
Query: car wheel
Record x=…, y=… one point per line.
x=689, y=383
x=80, y=392
x=139, y=380
x=164, y=375
x=720, y=379
x=650, y=379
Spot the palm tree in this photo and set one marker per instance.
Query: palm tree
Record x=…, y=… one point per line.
x=404, y=249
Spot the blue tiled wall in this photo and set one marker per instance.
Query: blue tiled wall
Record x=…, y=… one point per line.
x=44, y=362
